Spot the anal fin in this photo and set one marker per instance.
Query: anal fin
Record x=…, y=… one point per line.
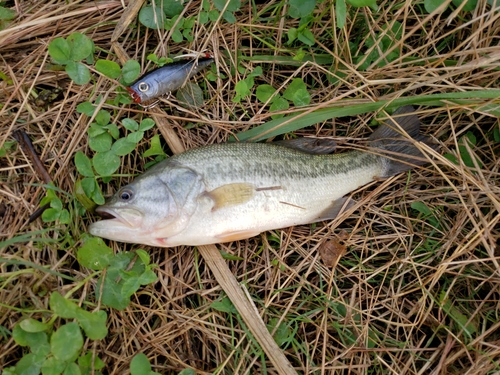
x=236, y=235
x=335, y=209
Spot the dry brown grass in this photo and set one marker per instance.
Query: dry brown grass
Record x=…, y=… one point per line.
x=396, y=300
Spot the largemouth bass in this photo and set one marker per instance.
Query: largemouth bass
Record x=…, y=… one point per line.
x=232, y=191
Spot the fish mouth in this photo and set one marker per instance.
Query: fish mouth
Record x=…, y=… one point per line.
x=128, y=217
x=135, y=96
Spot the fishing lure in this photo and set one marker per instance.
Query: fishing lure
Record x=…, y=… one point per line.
x=166, y=79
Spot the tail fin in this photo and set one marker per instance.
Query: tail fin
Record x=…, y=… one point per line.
x=399, y=153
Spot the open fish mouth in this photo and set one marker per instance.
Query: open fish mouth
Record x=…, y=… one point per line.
x=128, y=217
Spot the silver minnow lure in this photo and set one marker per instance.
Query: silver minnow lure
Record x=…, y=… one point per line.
x=167, y=78
x=232, y=191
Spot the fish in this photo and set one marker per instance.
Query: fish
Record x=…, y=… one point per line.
x=232, y=191
x=167, y=79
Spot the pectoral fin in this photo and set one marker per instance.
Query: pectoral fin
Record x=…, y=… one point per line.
x=336, y=208
x=231, y=195
x=236, y=235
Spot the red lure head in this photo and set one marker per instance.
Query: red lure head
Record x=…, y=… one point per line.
x=135, y=96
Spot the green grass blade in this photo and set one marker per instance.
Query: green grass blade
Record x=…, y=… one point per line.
x=303, y=119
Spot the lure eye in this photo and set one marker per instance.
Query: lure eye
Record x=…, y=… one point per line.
x=143, y=87
x=126, y=195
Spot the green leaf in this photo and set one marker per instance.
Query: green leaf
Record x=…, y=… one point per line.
x=225, y=305
x=85, y=107
x=31, y=339
x=265, y=92
x=101, y=142
x=80, y=46
x=50, y=214
x=94, y=324
x=62, y=306
x=363, y=3
x=97, y=196
x=66, y=342
x=152, y=17
x=496, y=134
x=292, y=34
x=282, y=334
x=202, y=18
x=108, y=68
x=130, y=286
x=242, y=88
x=83, y=191
x=145, y=258
x=135, y=137
x=94, y=130
x=78, y=72
x=112, y=289
x=187, y=371
x=103, y=117
x=56, y=203
x=95, y=254
x=86, y=364
x=7, y=14
x=279, y=104
x=177, y=36
x=460, y=318
x=470, y=137
x=172, y=8
x=340, y=13
x=53, y=366
x=130, y=124
x=140, y=365
x=123, y=147
x=72, y=369
x=146, y=124
x=300, y=8
x=297, y=93
x=88, y=186
x=64, y=217
x=426, y=212
x=113, y=130
x=131, y=71
x=229, y=17
x=155, y=148
x=83, y=164
x=147, y=277
x=255, y=73
x=59, y=50
x=106, y=163
x=30, y=364
x=191, y=95
x=6, y=147
x=431, y=5
x=213, y=15
x=32, y=325
x=468, y=7
x=306, y=37
x=233, y=5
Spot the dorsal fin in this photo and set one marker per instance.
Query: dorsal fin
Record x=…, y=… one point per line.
x=313, y=146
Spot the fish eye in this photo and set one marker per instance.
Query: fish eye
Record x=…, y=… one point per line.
x=143, y=86
x=126, y=195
